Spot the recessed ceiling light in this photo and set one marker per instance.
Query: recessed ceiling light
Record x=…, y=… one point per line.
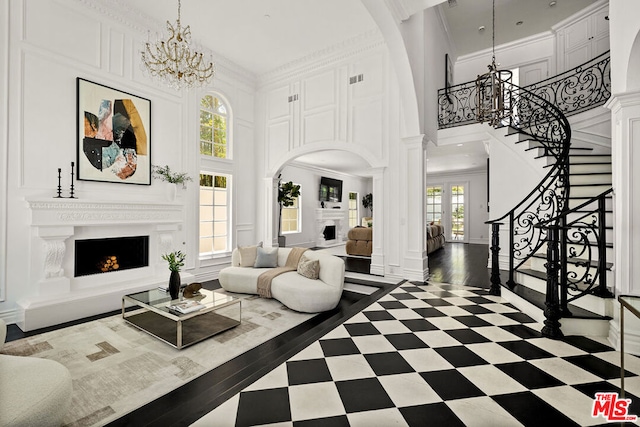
x=552, y=3
x=459, y=145
x=481, y=28
x=519, y=22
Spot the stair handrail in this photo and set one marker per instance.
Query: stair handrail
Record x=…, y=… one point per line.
x=546, y=124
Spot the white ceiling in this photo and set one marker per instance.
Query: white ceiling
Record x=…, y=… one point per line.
x=262, y=35
x=537, y=16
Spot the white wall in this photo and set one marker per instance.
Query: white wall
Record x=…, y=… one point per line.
x=309, y=181
x=534, y=49
x=476, y=204
x=50, y=45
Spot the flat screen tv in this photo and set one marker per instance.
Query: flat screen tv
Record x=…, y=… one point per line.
x=330, y=190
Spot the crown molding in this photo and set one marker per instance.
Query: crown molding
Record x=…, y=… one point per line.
x=516, y=44
x=120, y=11
x=580, y=14
x=364, y=42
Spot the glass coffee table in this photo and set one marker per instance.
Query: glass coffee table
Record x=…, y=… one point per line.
x=154, y=316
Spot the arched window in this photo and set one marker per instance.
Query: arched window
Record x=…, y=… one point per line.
x=214, y=118
x=216, y=178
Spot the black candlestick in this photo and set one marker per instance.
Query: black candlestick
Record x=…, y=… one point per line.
x=71, y=196
x=59, y=187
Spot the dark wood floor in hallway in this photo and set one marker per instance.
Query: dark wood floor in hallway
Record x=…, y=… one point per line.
x=460, y=264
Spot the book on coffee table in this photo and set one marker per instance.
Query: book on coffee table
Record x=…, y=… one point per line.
x=187, y=307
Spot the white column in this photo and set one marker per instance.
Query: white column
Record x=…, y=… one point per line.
x=625, y=143
x=379, y=223
x=271, y=210
x=413, y=222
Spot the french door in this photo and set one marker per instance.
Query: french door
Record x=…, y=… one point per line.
x=445, y=204
x=457, y=208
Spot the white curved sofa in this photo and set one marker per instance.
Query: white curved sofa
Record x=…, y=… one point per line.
x=34, y=391
x=291, y=289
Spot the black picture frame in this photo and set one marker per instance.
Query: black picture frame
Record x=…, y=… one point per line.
x=113, y=135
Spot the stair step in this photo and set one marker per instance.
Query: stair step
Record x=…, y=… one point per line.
x=591, y=167
x=538, y=299
x=588, y=191
x=575, y=201
x=572, y=150
x=584, y=158
x=575, y=261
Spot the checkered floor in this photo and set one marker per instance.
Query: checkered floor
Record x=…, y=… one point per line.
x=441, y=355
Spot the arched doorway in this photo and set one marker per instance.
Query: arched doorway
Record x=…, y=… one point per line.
x=358, y=172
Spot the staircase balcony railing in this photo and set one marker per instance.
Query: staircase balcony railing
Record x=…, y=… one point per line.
x=574, y=91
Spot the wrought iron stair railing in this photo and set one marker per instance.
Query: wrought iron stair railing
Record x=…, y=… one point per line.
x=544, y=123
x=543, y=216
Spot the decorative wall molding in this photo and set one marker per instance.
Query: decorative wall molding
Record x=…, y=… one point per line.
x=331, y=55
x=519, y=44
x=4, y=140
x=54, y=212
x=120, y=11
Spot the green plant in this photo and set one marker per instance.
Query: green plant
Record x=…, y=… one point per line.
x=175, y=260
x=367, y=202
x=164, y=173
x=287, y=193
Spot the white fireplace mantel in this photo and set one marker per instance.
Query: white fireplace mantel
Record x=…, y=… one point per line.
x=76, y=212
x=326, y=217
x=58, y=296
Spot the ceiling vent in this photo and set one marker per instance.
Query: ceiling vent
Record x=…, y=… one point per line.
x=452, y=3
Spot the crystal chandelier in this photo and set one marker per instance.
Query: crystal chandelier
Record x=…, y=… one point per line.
x=173, y=62
x=493, y=89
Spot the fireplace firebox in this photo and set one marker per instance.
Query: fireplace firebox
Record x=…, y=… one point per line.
x=329, y=232
x=95, y=256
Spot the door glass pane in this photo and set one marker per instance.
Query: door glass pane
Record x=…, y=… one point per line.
x=457, y=212
x=434, y=204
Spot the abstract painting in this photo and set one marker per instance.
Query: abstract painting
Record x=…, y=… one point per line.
x=114, y=135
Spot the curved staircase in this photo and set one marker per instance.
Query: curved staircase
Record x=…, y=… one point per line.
x=559, y=238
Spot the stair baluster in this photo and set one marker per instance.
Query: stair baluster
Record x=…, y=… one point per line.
x=495, y=253
x=551, y=327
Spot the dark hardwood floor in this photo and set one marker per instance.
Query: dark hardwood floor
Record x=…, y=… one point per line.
x=460, y=264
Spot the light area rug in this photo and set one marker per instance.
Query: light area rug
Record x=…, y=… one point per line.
x=117, y=368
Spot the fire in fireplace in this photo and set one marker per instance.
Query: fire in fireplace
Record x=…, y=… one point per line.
x=94, y=256
x=329, y=232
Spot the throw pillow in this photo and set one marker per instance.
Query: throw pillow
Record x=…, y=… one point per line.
x=267, y=257
x=248, y=255
x=309, y=268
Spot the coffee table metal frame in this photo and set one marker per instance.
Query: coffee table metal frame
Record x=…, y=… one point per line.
x=220, y=312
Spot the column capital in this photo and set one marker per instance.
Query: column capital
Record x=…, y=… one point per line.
x=415, y=140
x=621, y=100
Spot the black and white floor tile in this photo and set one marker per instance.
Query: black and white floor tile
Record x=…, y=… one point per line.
x=435, y=354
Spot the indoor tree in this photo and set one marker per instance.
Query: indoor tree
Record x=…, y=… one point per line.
x=287, y=194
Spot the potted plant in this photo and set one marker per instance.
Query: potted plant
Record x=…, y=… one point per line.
x=367, y=202
x=165, y=174
x=287, y=193
x=176, y=261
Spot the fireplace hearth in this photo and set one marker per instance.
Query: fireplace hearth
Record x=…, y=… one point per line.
x=96, y=256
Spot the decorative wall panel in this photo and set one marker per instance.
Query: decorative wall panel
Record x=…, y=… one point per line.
x=57, y=28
